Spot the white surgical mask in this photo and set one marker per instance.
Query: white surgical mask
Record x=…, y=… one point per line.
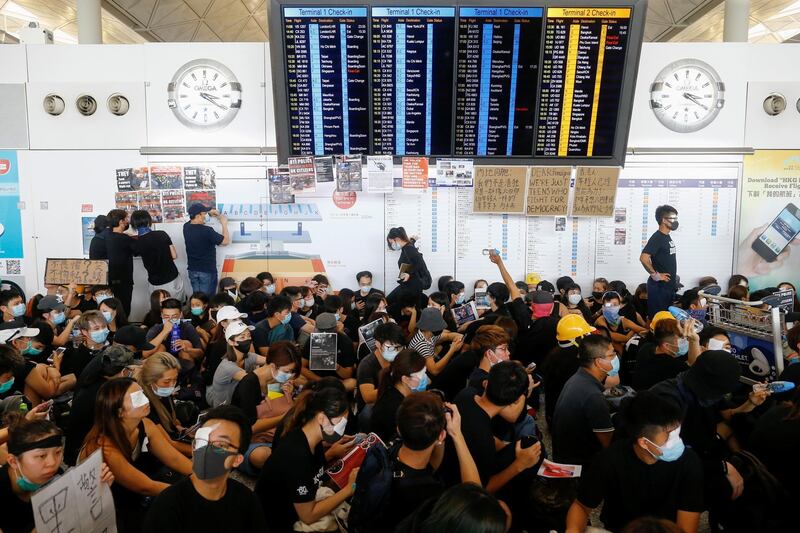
x=716, y=344
x=574, y=299
x=365, y=289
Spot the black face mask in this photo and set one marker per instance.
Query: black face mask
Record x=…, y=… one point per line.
x=244, y=346
x=597, y=295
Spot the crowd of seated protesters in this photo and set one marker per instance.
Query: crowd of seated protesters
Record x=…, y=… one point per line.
x=216, y=412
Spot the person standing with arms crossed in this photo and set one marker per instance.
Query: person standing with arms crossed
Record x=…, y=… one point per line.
x=201, y=242
x=659, y=259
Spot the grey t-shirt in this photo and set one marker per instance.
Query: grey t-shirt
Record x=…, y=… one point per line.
x=223, y=385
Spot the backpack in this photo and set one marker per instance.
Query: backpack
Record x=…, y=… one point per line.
x=425, y=277
x=373, y=488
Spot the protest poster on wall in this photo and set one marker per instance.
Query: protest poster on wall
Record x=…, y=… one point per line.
x=500, y=189
x=302, y=174
x=199, y=178
x=595, y=191
x=380, y=173
x=348, y=173
x=548, y=191
x=415, y=173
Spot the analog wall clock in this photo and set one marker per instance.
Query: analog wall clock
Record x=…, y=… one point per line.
x=687, y=95
x=204, y=95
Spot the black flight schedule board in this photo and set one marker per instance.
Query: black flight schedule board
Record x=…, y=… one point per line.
x=327, y=79
x=496, y=81
x=582, y=77
x=412, y=80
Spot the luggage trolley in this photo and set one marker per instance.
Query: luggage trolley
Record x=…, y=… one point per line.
x=756, y=334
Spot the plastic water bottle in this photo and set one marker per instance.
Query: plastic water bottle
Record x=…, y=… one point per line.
x=174, y=337
x=775, y=387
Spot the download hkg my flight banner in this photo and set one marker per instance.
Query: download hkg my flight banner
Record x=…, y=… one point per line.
x=770, y=219
x=10, y=220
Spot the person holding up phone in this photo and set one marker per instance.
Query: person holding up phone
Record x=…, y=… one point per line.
x=660, y=261
x=201, y=242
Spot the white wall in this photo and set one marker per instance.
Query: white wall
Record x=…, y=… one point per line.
x=71, y=159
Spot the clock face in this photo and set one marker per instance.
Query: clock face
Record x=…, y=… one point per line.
x=205, y=95
x=687, y=95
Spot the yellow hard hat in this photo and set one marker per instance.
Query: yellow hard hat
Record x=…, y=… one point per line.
x=533, y=278
x=661, y=315
x=571, y=327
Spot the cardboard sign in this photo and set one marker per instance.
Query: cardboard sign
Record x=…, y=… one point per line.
x=595, y=191
x=80, y=271
x=77, y=501
x=500, y=189
x=548, y=191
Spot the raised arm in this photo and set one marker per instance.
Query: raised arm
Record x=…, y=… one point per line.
x=507, y=279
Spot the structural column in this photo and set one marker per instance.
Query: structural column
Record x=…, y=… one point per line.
x=737, y=21
x=90, y=26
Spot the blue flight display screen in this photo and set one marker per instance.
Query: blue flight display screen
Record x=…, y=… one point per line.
x=327, y=79
x=496, y=81
x=412, y=80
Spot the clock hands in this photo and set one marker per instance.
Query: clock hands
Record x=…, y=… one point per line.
x=211, y=98
x=695, y=99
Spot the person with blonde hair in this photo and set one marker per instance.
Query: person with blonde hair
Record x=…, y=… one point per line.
x=158, y=378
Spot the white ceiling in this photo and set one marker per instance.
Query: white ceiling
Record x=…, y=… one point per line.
x=135, y=21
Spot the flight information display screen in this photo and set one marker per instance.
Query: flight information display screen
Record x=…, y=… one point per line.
x=327, y=79
x=582, y=77
x=497, y=79
x=412, y=80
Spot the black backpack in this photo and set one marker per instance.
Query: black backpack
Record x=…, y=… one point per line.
x=425, y=277
x=373, y=488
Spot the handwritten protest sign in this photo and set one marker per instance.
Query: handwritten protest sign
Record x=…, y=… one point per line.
x=500, y=189
x=80, y=271
x=77, y=501
x=595, y=191
x=548, y=191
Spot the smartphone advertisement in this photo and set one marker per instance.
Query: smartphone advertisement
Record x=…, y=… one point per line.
x=769, y=224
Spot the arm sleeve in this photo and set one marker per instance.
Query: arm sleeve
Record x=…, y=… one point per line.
x=590, y=490
x=652, y=246
x=301, y=485
x=597, y=414
x=364, y=375
x=416, y=260
x=520, y=314
x=216, y=238
x=691, y=492
x=259, y=338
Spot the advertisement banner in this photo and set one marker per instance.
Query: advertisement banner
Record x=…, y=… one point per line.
x=770, y=219
x=10, y=219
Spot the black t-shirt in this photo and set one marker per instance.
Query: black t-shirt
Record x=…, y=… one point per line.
x=560, y=365
x=345, y=355
x=662, y=253
x=630, y=488
x=97, y=246
x=384, y=414
x=657, y=368
x=453, y=377
x=81, y=419
x=181, y=508
x=409, y=492
x=247, y=395
x=154, y=247
x=292, y=474
x=215, y=352
x=76, y=359
x=201, y=242
x=581, y=412
x=121, y=249
x=476, y=426
x=775, y=441
x=369, y=371
x=84, y=304
x=17, y=515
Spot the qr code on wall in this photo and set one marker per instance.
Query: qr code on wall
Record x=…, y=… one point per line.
x=13, y=266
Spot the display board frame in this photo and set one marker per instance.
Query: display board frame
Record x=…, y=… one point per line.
x=624, y=110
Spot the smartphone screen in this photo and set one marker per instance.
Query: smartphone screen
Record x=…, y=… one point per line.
x=779, y=234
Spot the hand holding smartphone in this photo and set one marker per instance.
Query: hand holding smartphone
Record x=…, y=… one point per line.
x=780, y=232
